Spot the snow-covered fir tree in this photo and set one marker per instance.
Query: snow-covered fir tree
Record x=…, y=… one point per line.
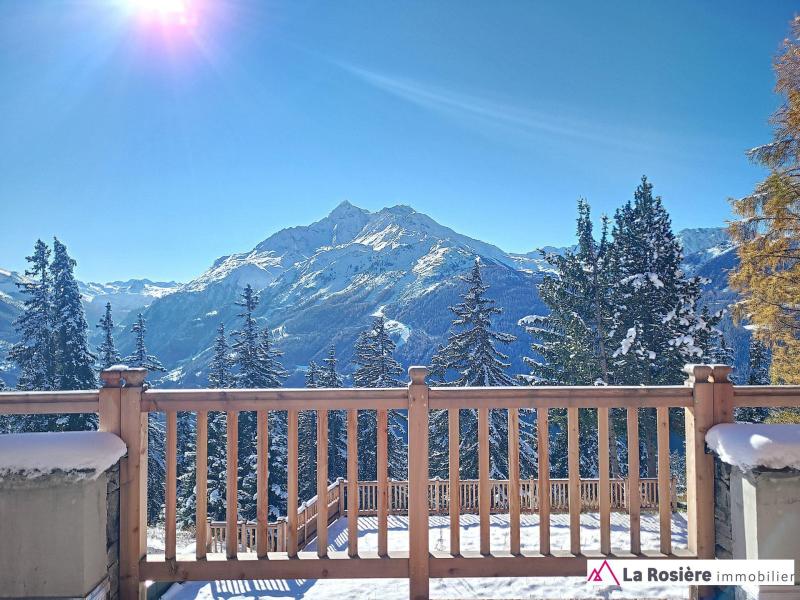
x=656, y=318
x=376, y=367
x=74, y=362
x=140, y=358
x=33, y=354
x=258, y=366
x=107, y=352
x=571, y=343
x=722, y=353
x=471, y=354
x=219, y=370
x=337, y=420
x=757, y=374
x=156, y=429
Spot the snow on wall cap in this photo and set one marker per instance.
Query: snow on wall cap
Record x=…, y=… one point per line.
x=114, y=375
x=76, y=454
x=753, y=445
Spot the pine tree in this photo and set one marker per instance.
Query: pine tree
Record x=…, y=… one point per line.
x=721, y=352
x=74, y=362
x=572, y=341
x=140, y=358
x=471, y=353
x=156, y=461
x=219, y=373
x=656, y=320
x=337, y=421
x=107, y=350
x=34, y=353
x=259, y=366
x=377, y=368
x=758, y=374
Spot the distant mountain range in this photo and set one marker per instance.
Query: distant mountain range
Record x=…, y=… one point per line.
x=322, y=283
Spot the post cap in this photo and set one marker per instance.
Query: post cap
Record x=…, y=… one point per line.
x=721, y=373
x=697, y=373
x=418, y=375
x=132, y=376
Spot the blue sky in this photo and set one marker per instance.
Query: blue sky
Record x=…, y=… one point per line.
x=152, y=147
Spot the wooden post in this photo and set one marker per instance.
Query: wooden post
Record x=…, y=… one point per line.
x=604, y=498
x=455, y=486
x=543, y=441
x=723, y=393
x=383, y=481
x=322, y=483
x=231, y=482
x=171, y=488
x=352, y=483
x=132, y=482
x=262, y=483
x=418, y=484
x=291, y=483
x=699, y=465
x=110, y=400
x=573, y=470
x=484, y=486
x=664, y=504
x=634, y=496
x=513, y=480
x=201, y=483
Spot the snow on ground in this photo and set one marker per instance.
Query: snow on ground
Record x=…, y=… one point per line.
x=501, y=587
x=79, y=454
x=751, y=445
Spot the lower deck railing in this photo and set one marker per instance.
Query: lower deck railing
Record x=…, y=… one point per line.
x=271, y=550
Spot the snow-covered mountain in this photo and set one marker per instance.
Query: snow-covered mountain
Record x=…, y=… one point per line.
x=321, y=284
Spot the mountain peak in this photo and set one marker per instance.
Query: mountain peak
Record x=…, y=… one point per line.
x=345, y=210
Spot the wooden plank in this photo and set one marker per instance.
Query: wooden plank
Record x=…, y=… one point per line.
x=455, y=486
x=543, y=448
x=133, y=494
x=352, y=483
x=513, y=483
x=573, y=460
x=484, y=487
x=171, y=488
x=383, y=482
x=109, y=409
x=231, y=483
x=262, y=483
x=664, y=504
x=291, y=483
x=201, y=483
x=418, y=485
x=634, y=498
x=603, y=486
x=700, y=468
x=322, y=483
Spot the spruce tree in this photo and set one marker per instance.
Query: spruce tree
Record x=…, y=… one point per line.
x=246, y=340
x=34, y=353
x=572, y=341
x=758, y=374
x=472, y=354
x=156, y=461
x=140, y=358
x=107, y=351
x=219, y=370
x=377, y=368
x=337, y=420
x=74, y=362
x=656, y=320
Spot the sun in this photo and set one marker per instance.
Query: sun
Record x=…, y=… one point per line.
x=174, y=12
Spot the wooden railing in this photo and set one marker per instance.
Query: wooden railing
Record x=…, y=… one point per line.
x=124, y=403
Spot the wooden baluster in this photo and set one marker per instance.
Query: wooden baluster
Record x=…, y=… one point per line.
x=201, y=479
x=513, y=480
x=383, y=482
x=231, y=483
x=664, y=505
x=603, y=490
x=634, y=495
x=484, y=488
x=455, y=485
x=291, y=484
x=262, y=483
x=573, y=460
x=322, y=483
x=352, y=482
x=543, y=442
x=170, y=495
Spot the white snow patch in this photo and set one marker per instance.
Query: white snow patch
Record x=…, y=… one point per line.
x=751, y=445
x=174, y=375
x=212, y=313
x=472, y=587
x=80, y=454
x=398, y=328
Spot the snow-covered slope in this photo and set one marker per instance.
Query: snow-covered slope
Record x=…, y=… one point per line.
x=321, y=283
